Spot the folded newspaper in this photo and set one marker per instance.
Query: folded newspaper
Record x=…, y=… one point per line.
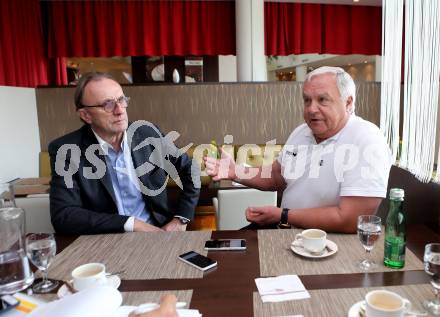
x=100, y=301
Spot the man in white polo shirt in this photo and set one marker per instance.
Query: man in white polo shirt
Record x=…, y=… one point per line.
x=332, y=169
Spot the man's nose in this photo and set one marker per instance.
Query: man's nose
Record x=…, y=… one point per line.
x=119, y=108
x=313, y=107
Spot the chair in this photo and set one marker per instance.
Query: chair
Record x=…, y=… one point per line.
x=37, y=212
x=231, y=206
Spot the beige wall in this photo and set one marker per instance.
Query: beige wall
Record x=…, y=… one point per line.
x=19, y=140
x=361, y=72
x=227, y=68
x=251, y=112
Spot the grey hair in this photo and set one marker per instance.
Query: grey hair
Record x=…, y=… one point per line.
x=82, y=83
x=344, y=82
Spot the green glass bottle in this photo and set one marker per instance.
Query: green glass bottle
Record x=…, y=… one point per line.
x=395, y=231
x=213, y=151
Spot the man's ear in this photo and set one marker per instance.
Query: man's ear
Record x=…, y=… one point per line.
x=84, y=115
x=349, y=104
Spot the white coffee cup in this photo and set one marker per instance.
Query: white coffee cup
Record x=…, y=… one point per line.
x=87, y=275
x=382, y=303
x=313, y=240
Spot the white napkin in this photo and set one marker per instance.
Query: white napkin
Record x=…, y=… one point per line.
x=281, y=288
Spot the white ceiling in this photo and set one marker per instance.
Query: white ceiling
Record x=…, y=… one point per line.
x=347, y=2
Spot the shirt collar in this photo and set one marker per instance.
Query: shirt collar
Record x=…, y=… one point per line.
x=309, y=134
x=105, y=145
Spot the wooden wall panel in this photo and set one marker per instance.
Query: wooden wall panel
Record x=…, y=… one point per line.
x=251, y=112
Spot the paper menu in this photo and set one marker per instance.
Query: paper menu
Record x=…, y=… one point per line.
x=123, y=311
x=99, y=301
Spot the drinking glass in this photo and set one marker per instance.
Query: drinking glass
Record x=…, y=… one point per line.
x=41, y=249
x=368, y=229
x=432, y=267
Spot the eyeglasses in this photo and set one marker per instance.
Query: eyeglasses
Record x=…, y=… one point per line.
x=110, y=104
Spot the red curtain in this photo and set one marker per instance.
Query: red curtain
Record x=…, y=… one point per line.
x=57, y=71
x=298, y=28
x=23, y=61
x=135, y=28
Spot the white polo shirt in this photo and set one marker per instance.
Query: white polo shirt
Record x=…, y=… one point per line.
x=354, y=162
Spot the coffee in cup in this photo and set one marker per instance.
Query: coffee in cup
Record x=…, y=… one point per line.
x=313, y=240
x=88, y=275
x=382, y=303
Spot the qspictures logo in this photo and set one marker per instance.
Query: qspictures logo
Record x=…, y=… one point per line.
x=298, y=160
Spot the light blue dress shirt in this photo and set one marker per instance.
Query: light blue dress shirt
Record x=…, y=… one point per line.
x=125, y=182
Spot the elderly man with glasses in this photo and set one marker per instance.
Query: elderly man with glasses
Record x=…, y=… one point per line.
x=332, y=169
x=117, y=182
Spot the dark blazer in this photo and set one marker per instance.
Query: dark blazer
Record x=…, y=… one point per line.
x=89, y=206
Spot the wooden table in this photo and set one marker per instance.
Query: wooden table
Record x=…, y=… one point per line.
x=229, y=287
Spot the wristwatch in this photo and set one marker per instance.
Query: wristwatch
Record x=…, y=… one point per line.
x=183, y=220
x=284, y=222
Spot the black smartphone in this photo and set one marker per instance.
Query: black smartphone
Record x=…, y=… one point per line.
x=225, y=244
x=7, y=302
x=197, y=260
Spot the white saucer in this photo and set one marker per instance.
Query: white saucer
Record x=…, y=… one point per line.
x=354, y=310
x=113, y=281
x=298, y=249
